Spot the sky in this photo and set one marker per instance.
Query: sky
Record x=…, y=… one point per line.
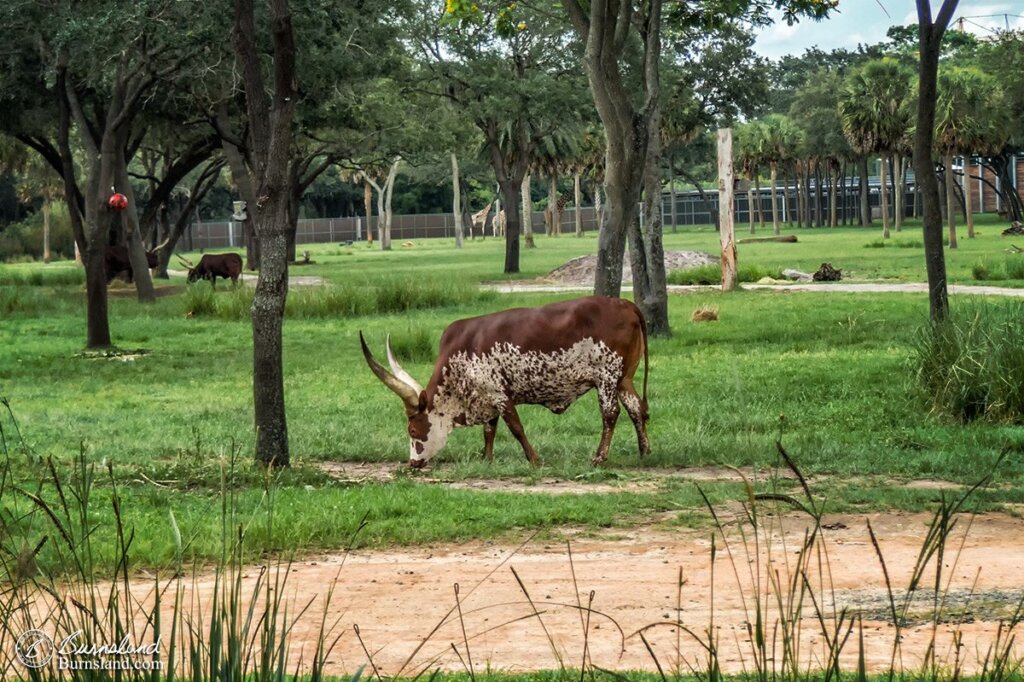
x=866, y=21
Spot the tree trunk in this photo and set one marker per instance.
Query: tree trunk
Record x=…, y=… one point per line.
x=672, y=191
x=899, y=182
x=647, y=251
x=577, y=202
x=798, y=186
x=865, y=197
x=775, y=198
x=726, y=209
x=787, y=215
x=243, y=181
x=456, y=201
x=968, y=202
x=510, y=190
x=388, y=214
x=368, y=207
x=750, y=209
x=270, y=121
x=930, y=39
x=760, y=208
x=553, y=197
x=598, y=207
x=884, y=189
x=133, y=238
x=527, y=212
x=947, y=160
x=833, y=193
x=46, y=230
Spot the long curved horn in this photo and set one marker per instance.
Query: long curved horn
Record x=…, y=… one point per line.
x=409, y=395
x=186, y=263
x=399, y=372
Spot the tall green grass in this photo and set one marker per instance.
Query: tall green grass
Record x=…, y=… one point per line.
x=376, y=296
x=972, y=366
x=712, y=274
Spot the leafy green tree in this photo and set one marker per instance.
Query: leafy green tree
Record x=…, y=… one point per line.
x=967, y=103
x=509, y=70
x=875, y=110
x=815, y=111
x=778, y=140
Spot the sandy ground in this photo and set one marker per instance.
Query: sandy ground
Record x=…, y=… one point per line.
x=833, y=287
x=521, y=603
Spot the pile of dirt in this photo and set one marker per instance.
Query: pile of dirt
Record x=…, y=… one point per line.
x=581, y=270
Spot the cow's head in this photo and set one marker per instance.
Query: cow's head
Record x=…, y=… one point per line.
x=193, y=271
x=427, y=431
x=151, y=259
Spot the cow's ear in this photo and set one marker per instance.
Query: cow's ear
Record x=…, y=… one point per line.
x=423, y=401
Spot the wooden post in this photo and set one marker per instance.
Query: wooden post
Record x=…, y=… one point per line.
x=726, y=209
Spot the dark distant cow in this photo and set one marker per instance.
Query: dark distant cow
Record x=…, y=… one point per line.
x=119, y=263
x=214, y=265
x=546, y=356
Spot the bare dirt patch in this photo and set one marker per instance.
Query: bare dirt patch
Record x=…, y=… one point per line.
x=398, y=597
x=581, y=270
x=646, y=479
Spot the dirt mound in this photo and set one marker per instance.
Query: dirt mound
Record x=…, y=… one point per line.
x=581, y=270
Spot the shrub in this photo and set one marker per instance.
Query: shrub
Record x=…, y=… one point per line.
x=42, y=275
x=1015, y=267
x=908, y=244
x=712, y=274
x=198, y=300
x=350, y=299
x=875, y=244
x=972, y=366
x=980, y=272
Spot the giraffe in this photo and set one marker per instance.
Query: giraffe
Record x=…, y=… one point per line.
x=499, y=224
x=553, y=214
x=480, y=218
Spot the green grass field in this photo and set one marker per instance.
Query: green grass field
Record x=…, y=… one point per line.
x=831, y=373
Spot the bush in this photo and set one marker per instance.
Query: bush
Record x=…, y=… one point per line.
x=351, y=299
x=24, y=240
x=980, y=272
x=712, y=274
x=42, y=276
x=875, y=244
x=972, y=366
x=1015, y=267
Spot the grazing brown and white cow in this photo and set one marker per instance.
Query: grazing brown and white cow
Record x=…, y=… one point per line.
x=547, y=356
x=214, y=265
x=118, y=263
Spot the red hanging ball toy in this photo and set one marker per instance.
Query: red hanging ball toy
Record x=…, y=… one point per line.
x=117, y=202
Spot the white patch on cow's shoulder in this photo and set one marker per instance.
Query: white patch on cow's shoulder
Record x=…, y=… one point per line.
x=476, y=388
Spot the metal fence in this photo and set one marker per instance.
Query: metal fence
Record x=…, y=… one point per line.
x=217, y=235
x=691, y=209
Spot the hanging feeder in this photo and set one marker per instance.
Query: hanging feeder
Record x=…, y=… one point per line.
x=117, y=202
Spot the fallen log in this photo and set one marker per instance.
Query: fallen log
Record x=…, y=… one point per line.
x=787, y=239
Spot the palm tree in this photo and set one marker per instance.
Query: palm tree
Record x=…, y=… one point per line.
x=779, y=139
x=875, y=110
x=962, y=124
x=746, y=156
x=815, y=111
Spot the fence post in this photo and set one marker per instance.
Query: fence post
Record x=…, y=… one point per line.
x=726, y=209
x=359, y=229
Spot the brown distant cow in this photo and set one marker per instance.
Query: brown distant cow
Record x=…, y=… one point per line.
x=214, y=265
x=526, y=356
x=118, y=262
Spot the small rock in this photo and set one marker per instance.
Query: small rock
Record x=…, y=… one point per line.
x=796, y=275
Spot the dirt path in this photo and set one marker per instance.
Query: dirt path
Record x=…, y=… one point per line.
x=403, y=600
x=849, y=287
